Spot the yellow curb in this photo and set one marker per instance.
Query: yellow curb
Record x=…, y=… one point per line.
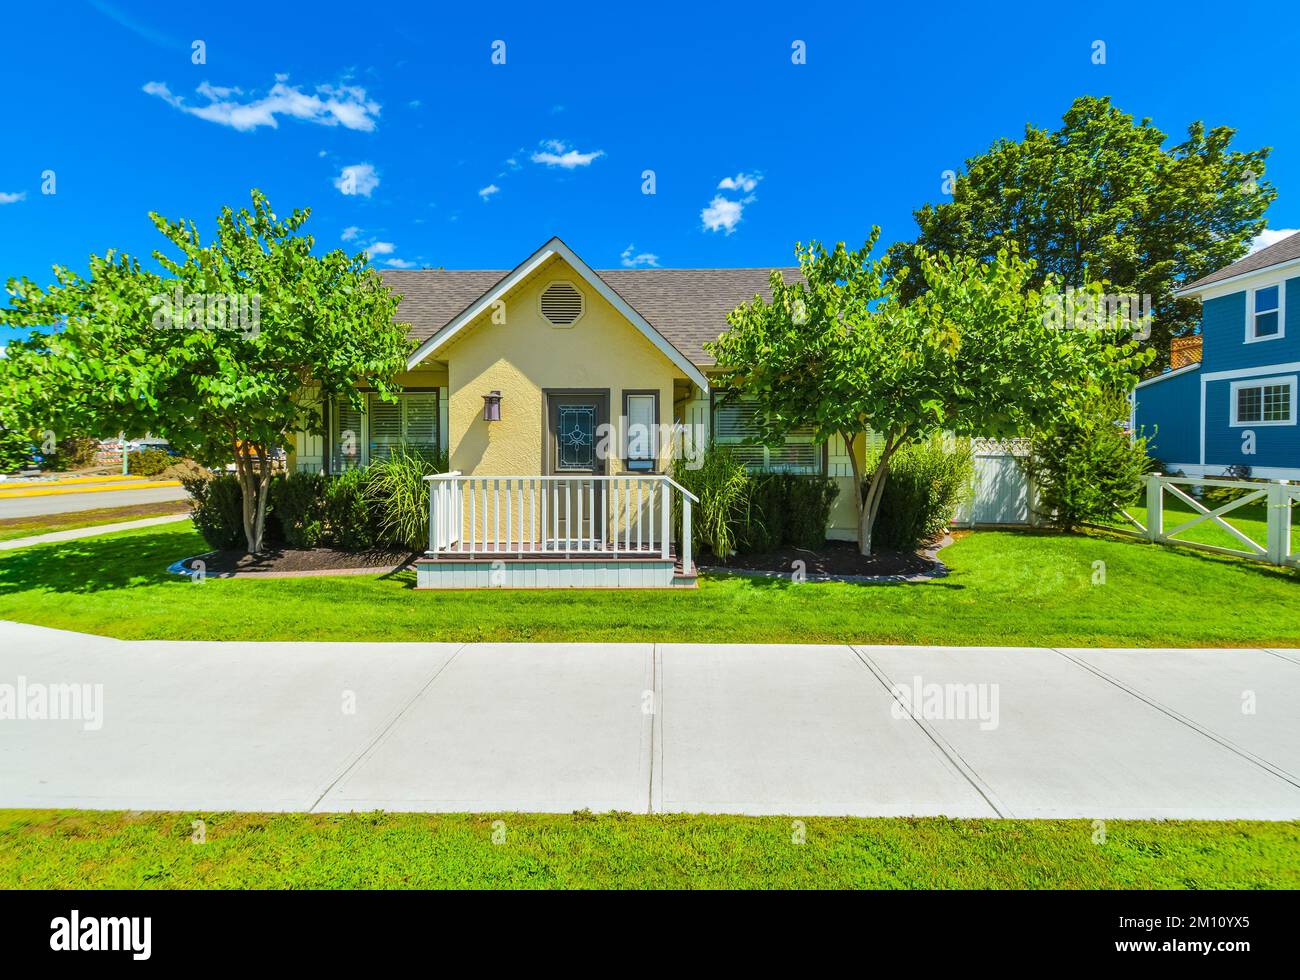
x=68, y=481
x=142, y=485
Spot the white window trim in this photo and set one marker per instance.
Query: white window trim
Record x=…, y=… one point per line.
x=1289, y=380
x=1281, y=312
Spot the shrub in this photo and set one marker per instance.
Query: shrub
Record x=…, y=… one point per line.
x=349, y=522
x=77, y=452
x=751, y=513
x=217, y=509
x=298, y=503
x=927, y=482
x=723, y=485
x=398, y=494
x=15, y=451
x=148, y=462
x=787, y=509
x=1088, y=468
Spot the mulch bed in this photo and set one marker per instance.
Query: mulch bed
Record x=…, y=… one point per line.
x=834, y=559
x=301, y=560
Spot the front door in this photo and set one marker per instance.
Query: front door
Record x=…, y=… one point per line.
x=575, y=424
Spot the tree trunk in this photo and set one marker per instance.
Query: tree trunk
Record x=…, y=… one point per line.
x=253, y=490
x=868, y=504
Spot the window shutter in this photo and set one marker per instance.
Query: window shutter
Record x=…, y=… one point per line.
x=347, y=435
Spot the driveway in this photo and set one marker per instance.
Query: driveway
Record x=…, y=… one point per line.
x=801, y=730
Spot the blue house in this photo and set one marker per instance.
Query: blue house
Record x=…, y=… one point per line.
x=1237, y=406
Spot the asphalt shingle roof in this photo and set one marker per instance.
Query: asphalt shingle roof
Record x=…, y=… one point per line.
x=1284, y=251
x=687, y=306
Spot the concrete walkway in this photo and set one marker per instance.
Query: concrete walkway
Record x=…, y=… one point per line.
x=72, y=534
x=800, y=730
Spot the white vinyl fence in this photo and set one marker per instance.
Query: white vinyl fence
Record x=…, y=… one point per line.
x=1277, y=497
x=1002, y=491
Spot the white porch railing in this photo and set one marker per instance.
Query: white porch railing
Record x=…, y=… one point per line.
x=1276, y=496
x=569, y=516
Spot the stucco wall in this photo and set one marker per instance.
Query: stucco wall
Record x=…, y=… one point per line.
x=527, y=354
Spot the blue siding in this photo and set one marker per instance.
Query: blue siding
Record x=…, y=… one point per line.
x=1275, y=445
x=1168, y=414
x=1223, y=327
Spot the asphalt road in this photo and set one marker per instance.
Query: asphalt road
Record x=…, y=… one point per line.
x=67, y=503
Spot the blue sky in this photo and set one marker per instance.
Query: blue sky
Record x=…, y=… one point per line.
x=750, y=152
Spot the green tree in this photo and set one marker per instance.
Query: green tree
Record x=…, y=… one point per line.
x=1101, y=200
x=1086, y=467
x=223, y=357
x=975, y=354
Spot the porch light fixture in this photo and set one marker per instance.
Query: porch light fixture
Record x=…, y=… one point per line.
x=492, y=406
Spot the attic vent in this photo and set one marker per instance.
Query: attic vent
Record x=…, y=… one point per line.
x=561, y=303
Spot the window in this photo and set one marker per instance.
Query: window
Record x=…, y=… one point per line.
x=641, y=417
x=561, y=303
x=412, y=421
x=1264, y=321
x=382, y=426
x=1263, y=401
x=575, y=438
x=349, y=431
x=734, y=423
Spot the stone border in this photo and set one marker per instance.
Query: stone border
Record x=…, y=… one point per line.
x=931, y=553
x=178, y=568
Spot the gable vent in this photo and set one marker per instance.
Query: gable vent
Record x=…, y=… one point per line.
x=561, y=303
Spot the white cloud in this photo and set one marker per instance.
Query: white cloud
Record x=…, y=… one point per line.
x=1270, y=236
x=488, y=191
x=741, y=182
x=357, y=178
x=631, y=258
x=350, y=232
x=329, y=105
x=399, y=264
x=557, y=153
x=380, y=248
x=722, y=214
x=12, y=198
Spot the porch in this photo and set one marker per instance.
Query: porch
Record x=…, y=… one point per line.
x=578, y=531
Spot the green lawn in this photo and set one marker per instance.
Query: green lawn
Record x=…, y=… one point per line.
x=1005, y=588
x=99, y=849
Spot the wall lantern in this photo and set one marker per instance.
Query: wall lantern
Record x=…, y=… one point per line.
x=492, y=406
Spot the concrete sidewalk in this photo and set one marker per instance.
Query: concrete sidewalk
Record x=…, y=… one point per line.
x=800, y=730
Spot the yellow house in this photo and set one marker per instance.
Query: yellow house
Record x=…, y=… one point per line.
x=561, y=395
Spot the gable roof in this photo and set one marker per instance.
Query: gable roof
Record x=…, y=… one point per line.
x=1279, y=253
x=683, y=307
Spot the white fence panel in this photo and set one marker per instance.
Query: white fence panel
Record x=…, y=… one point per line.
x=1002, y=492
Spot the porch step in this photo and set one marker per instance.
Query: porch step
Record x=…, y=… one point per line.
x=550, y=572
